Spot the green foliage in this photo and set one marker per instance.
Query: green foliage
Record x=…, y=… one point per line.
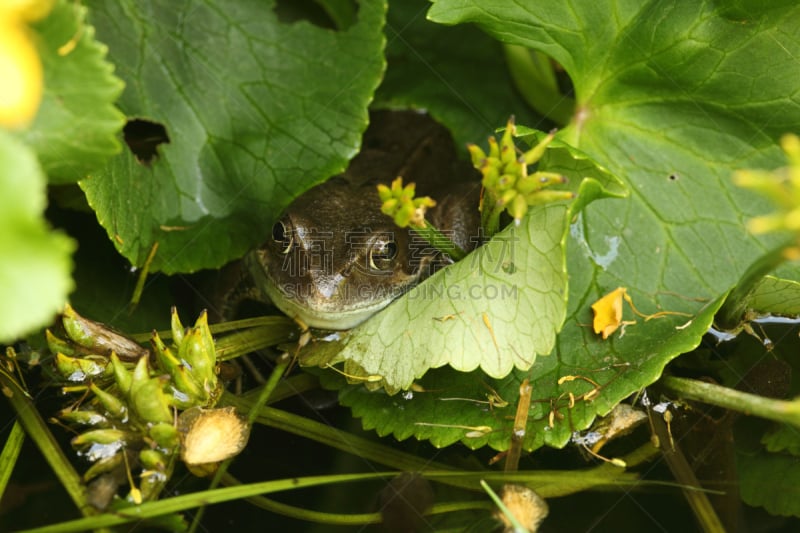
x=36, y=263
x=670, y=99
x=75, y=131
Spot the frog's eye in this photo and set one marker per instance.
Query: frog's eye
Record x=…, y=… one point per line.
x=382, y=254
x=283, y=235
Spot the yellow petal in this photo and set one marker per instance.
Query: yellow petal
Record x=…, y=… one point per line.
x=21, y=75
x=608, y=312
x=28, y=10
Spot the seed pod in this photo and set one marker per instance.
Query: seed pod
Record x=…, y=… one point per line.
x=546, y=197
x=59, y=345
x=186, y=391
x=494, y=149
x=83, y=417
x=102, y=466
x=122, y=376
x=211, y=435
x=80, y=369
x=518, y=208
x=113, y=405
x=165, y=435
x=193, y=351
x=476, y=154
x=149, y=401
x=165, y=357
x=177, y=328
x=535, y=154
x=100, y=338
x=153, y=460
x=101, y=436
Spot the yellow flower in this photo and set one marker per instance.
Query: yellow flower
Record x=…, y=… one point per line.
x=20, y=66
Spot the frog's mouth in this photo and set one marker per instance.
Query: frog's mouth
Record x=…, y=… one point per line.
x=306, y=310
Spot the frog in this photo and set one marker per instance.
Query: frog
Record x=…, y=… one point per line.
x=333, y=259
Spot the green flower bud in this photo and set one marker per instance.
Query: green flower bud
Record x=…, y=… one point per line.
x=149, y=401
x=538, y=181
x=193, y=352
x=491, y=176
x=518, y=208
x=102, y=466
x=165, y=358
x=400, y=204
x=58, y=345
x=101, y=436
x=176, y=326
x=384, y=193
x=535, y=154
x=505, y=179
x=98, y=337
x=141, y=373
x=187, y=392
x=122, y=376
x=476, y=154
x=546, y=197
x=494, y=149
x=153, y=460
x=78, y=330
x=507, y=197
x=505, y=182
x=164, y=435
x=208, y=339
x=390, y=206
x=113, y=405
x=508, y=154
x=83, y=417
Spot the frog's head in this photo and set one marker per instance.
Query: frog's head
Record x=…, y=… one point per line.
x=334, y=259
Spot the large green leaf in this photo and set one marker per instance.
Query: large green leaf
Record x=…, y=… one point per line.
x=458, y=74
x=672, y=97
x=35, y=269
x=76, y=128
x=256, y=111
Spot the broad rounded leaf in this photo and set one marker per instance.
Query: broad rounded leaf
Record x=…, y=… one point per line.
x=76, y=128
x=36, y=265
x=255, y=111
x=497, y=309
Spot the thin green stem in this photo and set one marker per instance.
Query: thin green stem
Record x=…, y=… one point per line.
x=269, y=322
x=37, y=429
x=440, y=241
x=534, y=76
x=8, y=458
x=261, y=401
x=490, y=214
x=684, y=474
x=778, y=410
x=497, y=501
x=335, y=438
x=209, y=497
